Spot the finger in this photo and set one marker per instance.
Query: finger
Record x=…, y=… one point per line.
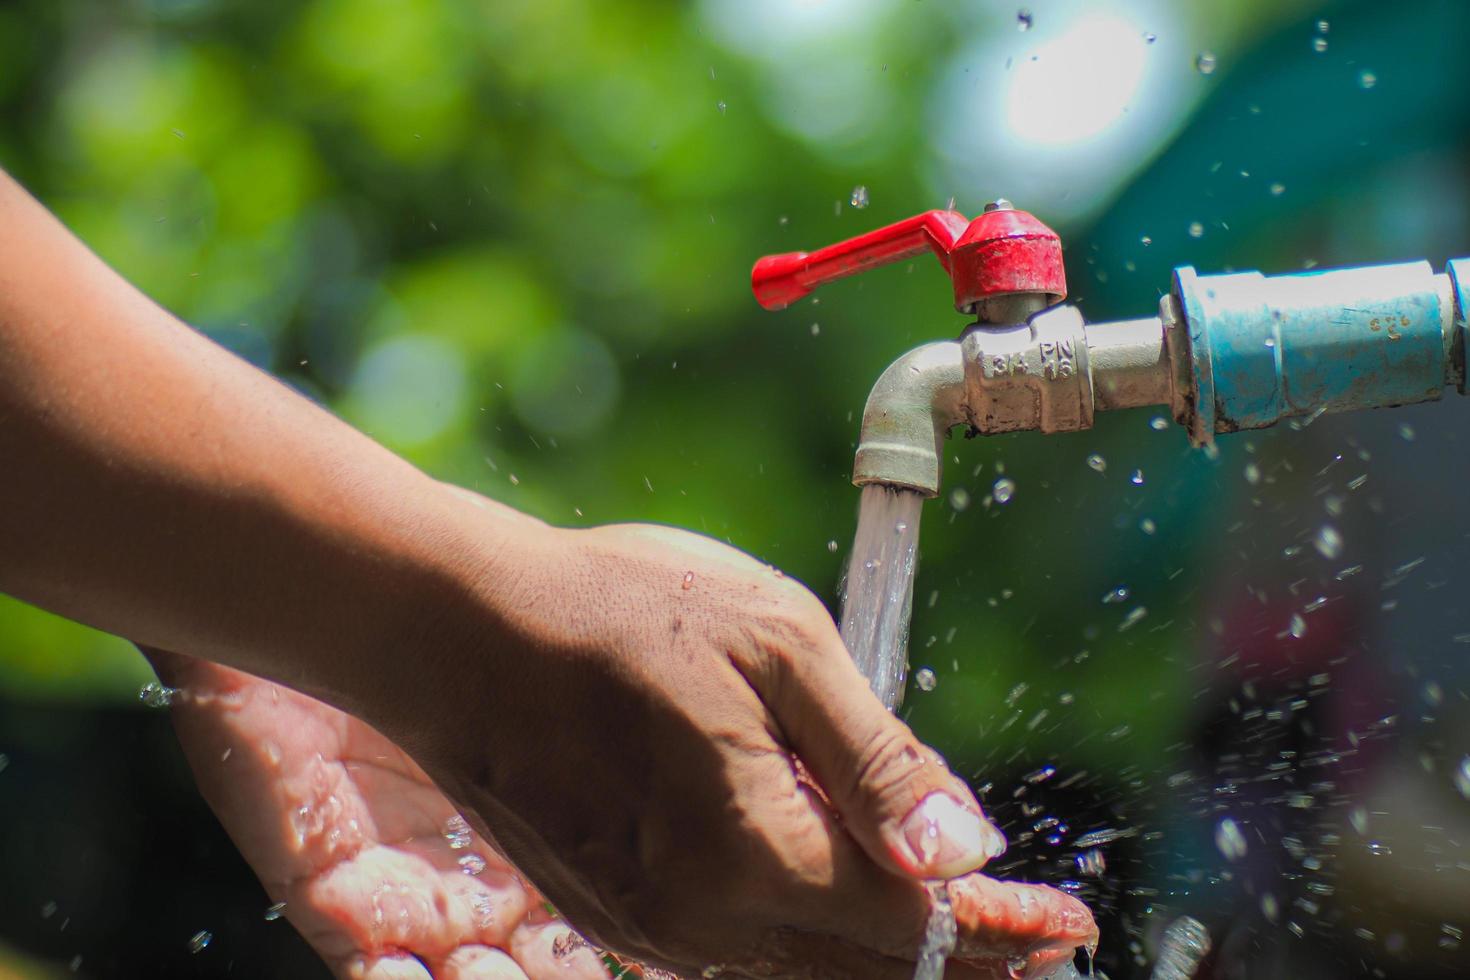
x=1012, y=919
x=897, y=797
x=396, y=967
x=999, y=923
x=477, y=963
x=551, y=949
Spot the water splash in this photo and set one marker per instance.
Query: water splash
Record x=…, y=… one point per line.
x=1185, y=945
x=940, y=935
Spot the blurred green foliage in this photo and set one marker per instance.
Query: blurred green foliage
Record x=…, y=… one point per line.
x=511, y=241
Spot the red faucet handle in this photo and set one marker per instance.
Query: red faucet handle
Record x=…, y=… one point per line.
x=1003, y=251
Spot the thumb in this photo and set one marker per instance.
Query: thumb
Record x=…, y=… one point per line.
x=895, y=794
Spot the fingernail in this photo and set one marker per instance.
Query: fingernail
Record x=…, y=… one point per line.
x=946, y=839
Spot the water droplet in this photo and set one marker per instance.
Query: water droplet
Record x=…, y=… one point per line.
x=688, y=581
x=1023, y=20
x=925, y=679
x=566, y=944
x=1367, y=79
x=199, y=940
x=959, y=498
x=1462, y=777
x=1041, y=775
x=1158, y=423
x=1252, y=474
x=457, y=833
x=1004, y=490
x=1116, y=595
x=721, y=106
x=275, y=911
x=1319, y=44
x=1133, y=618
x=1358, y=818
x=1147, y=525
x=816, y=329
x=1137, y=478
x=1205, y=63
x=1096, y=462
x=1323, y=27
x=156, y=695
x=1146, y=241
x=471, y=864
x=484, y=910
x=1149, y=37
x=1328, y=542
x=1091, y=863
x=1229, y=840
x=1298, y=626
x=832, y=546
x=1196, y=229
x=1096, y=838
x=859, y=197
x=1379, y=849
x=1406, y=432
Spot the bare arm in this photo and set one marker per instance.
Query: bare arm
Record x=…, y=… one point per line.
x=157, y=487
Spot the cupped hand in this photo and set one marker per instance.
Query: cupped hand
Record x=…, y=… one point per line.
x=629, y=729
x=375, y=867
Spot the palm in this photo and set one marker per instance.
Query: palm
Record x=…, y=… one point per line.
x=369, y=857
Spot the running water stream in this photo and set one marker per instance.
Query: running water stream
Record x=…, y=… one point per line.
x=878, y=589
x=877, y=597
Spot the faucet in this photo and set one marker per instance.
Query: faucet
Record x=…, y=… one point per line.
x=1224, y=352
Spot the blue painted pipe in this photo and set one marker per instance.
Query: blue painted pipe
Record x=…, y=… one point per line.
x=1264, y=348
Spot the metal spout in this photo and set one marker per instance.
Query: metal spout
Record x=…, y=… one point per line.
x=914, y=404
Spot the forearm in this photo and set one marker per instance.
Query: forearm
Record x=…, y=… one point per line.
x=157, y=487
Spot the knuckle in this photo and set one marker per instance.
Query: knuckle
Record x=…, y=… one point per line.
x=887, y=770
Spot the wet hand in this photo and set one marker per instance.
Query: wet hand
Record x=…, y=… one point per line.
x=629, y=734
x=375, y=867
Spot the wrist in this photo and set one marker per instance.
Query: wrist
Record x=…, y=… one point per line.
x=464, y=614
